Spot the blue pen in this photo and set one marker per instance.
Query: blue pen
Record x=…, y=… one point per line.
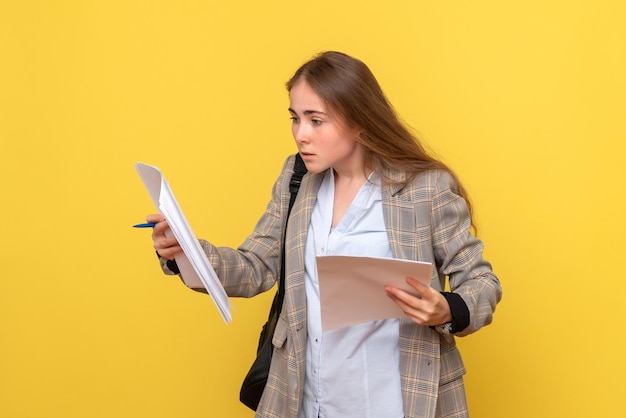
x=146, y=225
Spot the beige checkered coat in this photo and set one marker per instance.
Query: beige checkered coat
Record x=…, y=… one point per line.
x=426, y=221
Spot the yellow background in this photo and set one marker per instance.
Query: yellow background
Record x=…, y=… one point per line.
x=525, y=100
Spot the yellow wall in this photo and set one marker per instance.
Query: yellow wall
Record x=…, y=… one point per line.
x=526, y=100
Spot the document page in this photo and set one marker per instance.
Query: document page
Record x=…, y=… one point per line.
x=352, y=289
x=195, y=268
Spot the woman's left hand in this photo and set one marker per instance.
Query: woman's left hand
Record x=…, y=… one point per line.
x=430, y=308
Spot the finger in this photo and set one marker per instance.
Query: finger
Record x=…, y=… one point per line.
x=417, y=285
x=165, y=242
x=403, y=296
x=166, y=246
x=155, y=217
x=160, y=229
x=415, y=314
x=426, y=292
x=401, y=303
x=170, y=252
x=431, y=309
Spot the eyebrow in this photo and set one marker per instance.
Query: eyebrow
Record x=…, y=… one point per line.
x=308, y=112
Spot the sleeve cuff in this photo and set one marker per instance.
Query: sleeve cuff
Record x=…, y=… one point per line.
x=169, y=266
x=458, y=309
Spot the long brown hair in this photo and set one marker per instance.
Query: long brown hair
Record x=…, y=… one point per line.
x=347, y=86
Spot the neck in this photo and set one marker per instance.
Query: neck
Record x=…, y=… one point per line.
x=351, y=170
x=351, y=178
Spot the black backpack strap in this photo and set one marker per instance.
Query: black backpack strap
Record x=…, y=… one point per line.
x=299, y=170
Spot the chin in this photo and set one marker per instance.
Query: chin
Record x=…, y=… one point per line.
x=315, y=168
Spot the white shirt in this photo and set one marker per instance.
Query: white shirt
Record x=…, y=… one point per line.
x=354, y=371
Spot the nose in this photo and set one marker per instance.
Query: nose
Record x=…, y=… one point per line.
x=300, y=133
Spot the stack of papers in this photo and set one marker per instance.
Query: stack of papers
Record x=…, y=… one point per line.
x=193, y=264
x=352, y=289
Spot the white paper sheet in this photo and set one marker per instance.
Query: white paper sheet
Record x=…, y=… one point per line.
x=194, y=266
x=352, y=289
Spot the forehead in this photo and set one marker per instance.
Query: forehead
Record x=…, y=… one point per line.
x=303, y=98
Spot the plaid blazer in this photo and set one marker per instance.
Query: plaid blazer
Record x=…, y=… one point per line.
x=426, y=220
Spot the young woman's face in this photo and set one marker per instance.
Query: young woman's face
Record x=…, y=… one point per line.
x=323, y=138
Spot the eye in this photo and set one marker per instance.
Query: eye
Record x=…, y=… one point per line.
x=316, y=122
x=295, y=119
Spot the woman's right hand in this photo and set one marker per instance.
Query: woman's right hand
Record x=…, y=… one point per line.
x=165, y=243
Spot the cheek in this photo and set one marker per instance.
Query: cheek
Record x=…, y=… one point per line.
x=346, y=145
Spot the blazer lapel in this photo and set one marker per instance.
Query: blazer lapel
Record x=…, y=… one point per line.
x=296, y=241
x=399, y=216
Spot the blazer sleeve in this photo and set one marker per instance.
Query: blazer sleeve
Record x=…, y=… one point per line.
x=459, y=255
x=253, y=267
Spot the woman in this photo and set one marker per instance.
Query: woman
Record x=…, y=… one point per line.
x=371, y=190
